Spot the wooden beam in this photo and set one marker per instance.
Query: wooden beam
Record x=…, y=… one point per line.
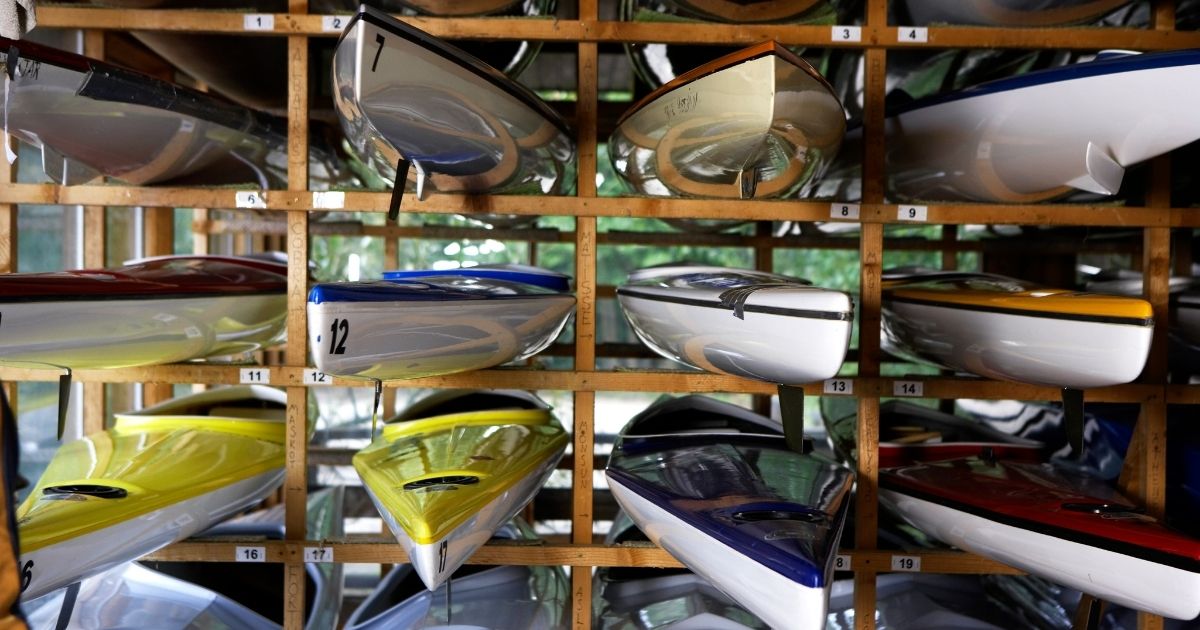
x=301, y=200
x=879, y=36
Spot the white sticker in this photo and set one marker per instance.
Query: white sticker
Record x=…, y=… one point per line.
x=250, y=199
x=329, y=200
x=258, y=22
x=318, y=554
x=912, y=35
x=906, y=563
x=912, y=213
x=333, y=22
x=843, y=211
x=250, y=554
x=255, y=376
x=908, y=388
x=312, y=376
x=842, y=386
x=846, y=34
x=841, y=562
x=192, y=332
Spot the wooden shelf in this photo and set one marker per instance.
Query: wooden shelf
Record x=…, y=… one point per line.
x=381, y=549
x=285, y=200
x=600, y=31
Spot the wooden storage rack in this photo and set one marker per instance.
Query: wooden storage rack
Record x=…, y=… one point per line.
x=1147, y=457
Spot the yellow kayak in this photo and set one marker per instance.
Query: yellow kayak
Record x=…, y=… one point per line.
x=448, y=473
x=157, y=476
x=1009, y=329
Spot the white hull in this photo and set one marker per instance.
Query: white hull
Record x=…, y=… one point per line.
x=1118, y=578
x=128, y=333
x=408, y=339
x=58, y=565
x=436, y=561
x=1021, y=348
x=780, y=602
x=1043, y=141
x=778, y=348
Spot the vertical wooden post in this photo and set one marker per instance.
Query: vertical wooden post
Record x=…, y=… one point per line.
x=866, y=518
x=8, y=249
x=296, y=480
x=159, y=227
x=585, y=319
x=94, y=257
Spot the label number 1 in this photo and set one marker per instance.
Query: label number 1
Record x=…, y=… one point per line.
x=378, y=40
x=337, y=345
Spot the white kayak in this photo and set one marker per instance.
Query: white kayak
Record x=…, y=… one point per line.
x=1045, y=134
x=746, y=323
x=435, y=322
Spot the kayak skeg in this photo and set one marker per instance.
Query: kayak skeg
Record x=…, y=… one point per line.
x=446, y=475
x=495, y=597
x=716, y=486
x=429, y=323
x=157, y=476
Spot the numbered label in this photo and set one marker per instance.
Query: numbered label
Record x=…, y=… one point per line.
x=906, y=563
x=841, y=563
x=329, y=200
x=839, y=386
x=250, y=554
x=331, y=23
x=318, y=554
x=338, y=331
x=912, y=213
x=258, y=22
x=312, y=376
x=912, y=34
x=847, y=34
x=254, y=376
x=250, y=199
x=843, y=211
x=908, y=388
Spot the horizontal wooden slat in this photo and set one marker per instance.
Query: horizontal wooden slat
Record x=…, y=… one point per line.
x=609, y=31
x=1049, y=214
x=382, y=550
x=622, y=381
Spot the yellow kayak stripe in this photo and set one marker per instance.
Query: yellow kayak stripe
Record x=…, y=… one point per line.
x=1051, y=301
x=258, y=429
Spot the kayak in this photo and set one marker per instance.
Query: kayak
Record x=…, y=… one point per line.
x=758, y=123
x=1068, y=529
x=464, y=127
x=147, y=312
x=1012, y=330
x=1044, y=134
x=716, y=486
x=746, y=323
x=991, y=493
x=189, y=595
x=496, y=598
x=434, y=322
x=451, y=470
x=90, y=118
x=157, y=476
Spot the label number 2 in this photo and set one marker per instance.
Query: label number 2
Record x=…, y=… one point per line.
x=337, y=345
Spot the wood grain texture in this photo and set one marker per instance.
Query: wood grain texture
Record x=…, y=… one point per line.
x=301, y=200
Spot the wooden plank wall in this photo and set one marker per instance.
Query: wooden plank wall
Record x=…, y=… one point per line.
x=587, y=31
